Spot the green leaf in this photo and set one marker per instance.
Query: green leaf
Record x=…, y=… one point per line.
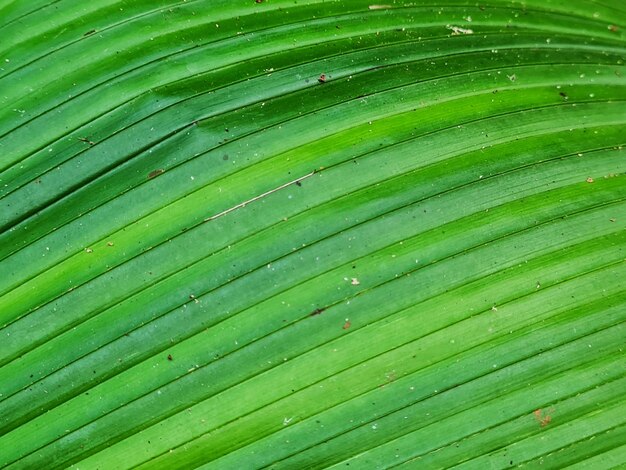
x=306, y=234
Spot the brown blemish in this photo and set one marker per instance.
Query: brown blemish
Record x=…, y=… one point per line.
x=155, y=173
x=169, y=357
x=347, y=325
x=317, y=311
x=543, y=418
x=322, y=78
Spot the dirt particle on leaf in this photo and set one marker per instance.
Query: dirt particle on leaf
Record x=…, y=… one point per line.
x=90, y=32
x=317, y=311
x=563, y=95
x=613, y=28
x=155, y=173
x=169, y=357
x=612, y=219
x=322, y=78
x=347, y=325
x=88, y=250
x=109, y=243
x=298, y=183
x=589, y=180
x=86, y=140
x=354, y=281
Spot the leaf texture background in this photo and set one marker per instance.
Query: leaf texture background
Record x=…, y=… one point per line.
x=312, y=234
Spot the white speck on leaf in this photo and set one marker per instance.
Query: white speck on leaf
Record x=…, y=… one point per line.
x=457, y=30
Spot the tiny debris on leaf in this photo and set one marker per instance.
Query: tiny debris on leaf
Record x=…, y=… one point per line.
x=90, y=32
x=88, y=250
x=346, y=325
x=86, y=140
x=322, y=78
x=109, y=243
x=169, y=357
x=379, y=7
x=355, y=281
x=589, y=180
x=317, y=311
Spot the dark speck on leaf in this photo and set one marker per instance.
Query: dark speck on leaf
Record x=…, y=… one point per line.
x=564, y=95
x=169, y=357
x=225, y=157
x=86, y=140
x=317, y=311
x=298, y=183
x=155, y=173
x=322, y=78
x=90, y=32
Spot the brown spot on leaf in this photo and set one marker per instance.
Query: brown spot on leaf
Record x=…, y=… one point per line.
x=155, y=173
x=543, y=418
x=317, y=311
x=169, y=357
x=322, y=78
x=347, y=325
